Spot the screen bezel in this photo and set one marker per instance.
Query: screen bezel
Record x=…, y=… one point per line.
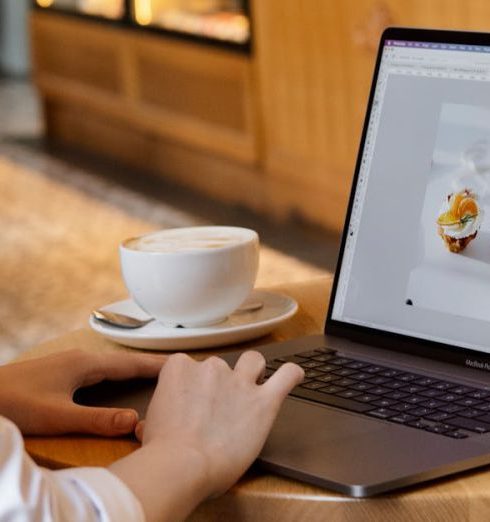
x=372, y=336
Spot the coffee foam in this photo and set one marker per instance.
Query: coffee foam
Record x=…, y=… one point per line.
x=185, y=240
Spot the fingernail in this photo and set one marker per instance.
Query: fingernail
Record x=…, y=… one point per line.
x=124, y=420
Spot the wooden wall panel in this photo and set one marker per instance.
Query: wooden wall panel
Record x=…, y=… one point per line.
x=82, y=56
x=198, y=96
x=307, y=111
x=90, y=129
x=191, y=81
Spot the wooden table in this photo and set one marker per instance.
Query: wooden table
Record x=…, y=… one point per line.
x=263, y=497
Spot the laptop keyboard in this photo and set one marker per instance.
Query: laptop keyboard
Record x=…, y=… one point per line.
x=415, y=400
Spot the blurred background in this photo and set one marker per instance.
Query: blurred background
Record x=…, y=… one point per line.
x=122, y=116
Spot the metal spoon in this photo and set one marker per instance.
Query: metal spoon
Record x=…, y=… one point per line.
x=128, y=322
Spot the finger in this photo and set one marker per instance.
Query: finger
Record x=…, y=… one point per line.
x=117, y=366
x=108, y=422
x=139, y=430
x=284, y=380
x=215, y=364
x=251, y=365
x=176, y=364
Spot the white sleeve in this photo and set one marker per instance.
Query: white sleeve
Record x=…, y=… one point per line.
x=29, y=493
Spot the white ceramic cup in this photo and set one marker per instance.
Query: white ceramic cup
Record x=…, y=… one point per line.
x=193, y=276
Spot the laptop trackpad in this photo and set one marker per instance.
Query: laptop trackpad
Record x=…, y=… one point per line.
x=353, y=453
x=310, y=433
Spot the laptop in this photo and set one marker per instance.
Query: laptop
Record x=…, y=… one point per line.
x=397, y=389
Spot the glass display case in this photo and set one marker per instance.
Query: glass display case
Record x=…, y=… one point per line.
x=112, y=9
x=226, y=20
x=222, y=22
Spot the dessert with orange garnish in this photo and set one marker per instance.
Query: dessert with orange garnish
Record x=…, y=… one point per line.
x=460, y=220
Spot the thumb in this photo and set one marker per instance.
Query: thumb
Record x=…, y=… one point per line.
x=108, y=422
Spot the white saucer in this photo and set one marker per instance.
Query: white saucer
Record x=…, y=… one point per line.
x=236, y=328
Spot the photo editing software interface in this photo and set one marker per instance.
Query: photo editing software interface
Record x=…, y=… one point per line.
x=416, y=259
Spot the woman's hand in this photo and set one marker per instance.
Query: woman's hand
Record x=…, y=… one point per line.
x=205, y=426
x=37, y=394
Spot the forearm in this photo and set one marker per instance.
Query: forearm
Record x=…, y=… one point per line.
x=168, y=481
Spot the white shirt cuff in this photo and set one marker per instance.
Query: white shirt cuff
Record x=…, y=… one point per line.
x=112, y=498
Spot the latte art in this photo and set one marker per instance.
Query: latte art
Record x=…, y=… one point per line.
x=184, y=240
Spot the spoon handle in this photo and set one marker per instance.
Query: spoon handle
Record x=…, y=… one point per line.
x=119, y=320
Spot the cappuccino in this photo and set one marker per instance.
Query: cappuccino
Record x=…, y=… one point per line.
x=192, y=276
x=187, y=239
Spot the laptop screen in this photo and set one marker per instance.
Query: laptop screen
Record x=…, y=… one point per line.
x=416, y=254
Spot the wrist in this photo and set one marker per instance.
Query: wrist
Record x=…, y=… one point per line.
x=192, y=462
x=169, y=479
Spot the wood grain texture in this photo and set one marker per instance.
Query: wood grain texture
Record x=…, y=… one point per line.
x=265, y=497
x=89, y=58
x=307, y=103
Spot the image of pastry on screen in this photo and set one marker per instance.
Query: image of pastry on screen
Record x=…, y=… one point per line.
x=452, y=274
